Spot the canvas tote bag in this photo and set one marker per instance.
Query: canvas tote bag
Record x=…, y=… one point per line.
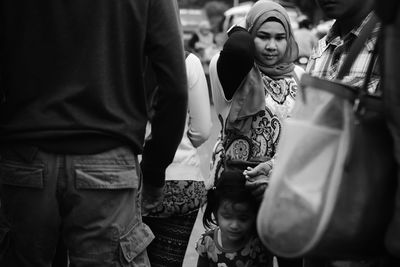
x=332, y=189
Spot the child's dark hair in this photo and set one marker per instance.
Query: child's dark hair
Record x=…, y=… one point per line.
x=230, y=186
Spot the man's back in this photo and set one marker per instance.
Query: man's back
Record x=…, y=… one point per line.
x=73, y=71
x=72, y=124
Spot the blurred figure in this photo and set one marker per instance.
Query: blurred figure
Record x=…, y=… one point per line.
x=306, y=40
x=172, y=221
x=203, y=44
x=351, y=16
x=202, y=38
x=72, y=124
x=389, y=12
x=215, y=14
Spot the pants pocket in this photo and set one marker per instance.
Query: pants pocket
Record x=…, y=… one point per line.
x=16, y=179
x=106, y=177
x=133, y=245
x=21, y=174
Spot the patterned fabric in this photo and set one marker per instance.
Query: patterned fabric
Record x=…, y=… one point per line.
x=172, y=237
x=260, y=142
x=331, y=51
x=251, y=254
x=181, y=197
x=172, y=222
x=262, y=139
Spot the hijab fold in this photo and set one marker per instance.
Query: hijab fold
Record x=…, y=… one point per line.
x=249, y=98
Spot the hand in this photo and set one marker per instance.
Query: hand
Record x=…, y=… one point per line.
x=257, y=178
x=261, y=169
x=257, y=185
x=151, y=198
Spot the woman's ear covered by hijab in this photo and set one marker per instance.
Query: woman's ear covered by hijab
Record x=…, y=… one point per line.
x=263, y=10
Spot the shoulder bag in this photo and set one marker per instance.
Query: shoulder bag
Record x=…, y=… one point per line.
x=331, y=193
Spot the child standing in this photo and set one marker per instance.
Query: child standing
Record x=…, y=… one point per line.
x=232, y=209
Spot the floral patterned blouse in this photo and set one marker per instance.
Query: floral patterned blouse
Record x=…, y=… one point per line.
x=259, y=144
x=252, y=254
x=262, y=139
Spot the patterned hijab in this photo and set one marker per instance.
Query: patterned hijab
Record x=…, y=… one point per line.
x=249, y=98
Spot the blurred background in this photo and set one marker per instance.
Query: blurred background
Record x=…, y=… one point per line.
x=205, y=22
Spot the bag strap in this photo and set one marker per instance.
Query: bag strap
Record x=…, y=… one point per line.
x=361, y=97
x=357, y=46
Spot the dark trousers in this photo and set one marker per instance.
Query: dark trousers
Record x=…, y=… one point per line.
x=93, y=199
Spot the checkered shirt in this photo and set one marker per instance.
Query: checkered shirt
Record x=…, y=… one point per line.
x=329, y=55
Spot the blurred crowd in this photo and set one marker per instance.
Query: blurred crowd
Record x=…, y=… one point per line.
x=206, y=37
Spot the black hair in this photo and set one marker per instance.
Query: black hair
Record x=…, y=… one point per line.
x=274, y=19
x=230, y=186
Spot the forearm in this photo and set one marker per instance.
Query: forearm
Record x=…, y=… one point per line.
x=199, y=104
x=165, y=51
x=235, y=61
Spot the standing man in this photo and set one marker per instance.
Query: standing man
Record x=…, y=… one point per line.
x=351, y=16
x=72, y=122
x=327, y=58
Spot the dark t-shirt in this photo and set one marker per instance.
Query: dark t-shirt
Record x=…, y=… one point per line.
x=73, y=76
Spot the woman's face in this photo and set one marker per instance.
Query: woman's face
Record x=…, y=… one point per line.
x=271, y=43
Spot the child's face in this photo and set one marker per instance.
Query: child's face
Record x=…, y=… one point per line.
x=236, y=221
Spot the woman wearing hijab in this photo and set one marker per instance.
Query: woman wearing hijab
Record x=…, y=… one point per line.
x=254, y=83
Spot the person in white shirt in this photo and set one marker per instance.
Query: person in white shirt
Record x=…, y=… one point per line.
x=184, y=192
